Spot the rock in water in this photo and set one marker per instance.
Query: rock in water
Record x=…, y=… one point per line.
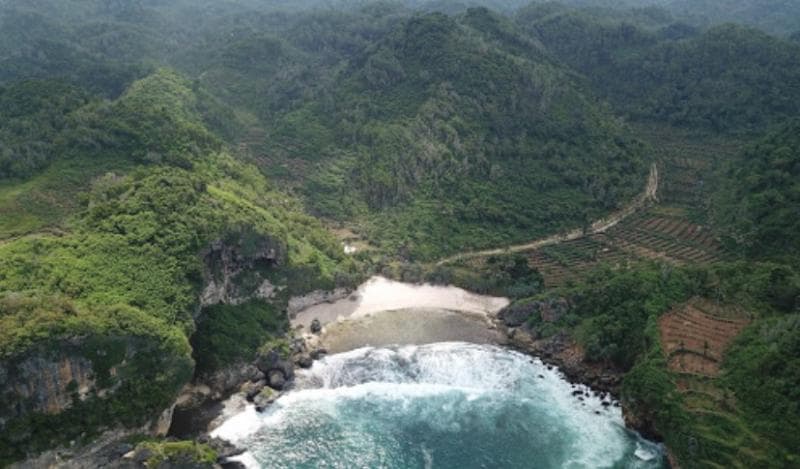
x=304, y=361
x=271, y=361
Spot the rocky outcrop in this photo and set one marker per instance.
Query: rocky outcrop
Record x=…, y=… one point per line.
x=46, y=385
x=104, y=452
x=299, y=303
x=641, y=421
x=200, y=404
x=235, y=269
x=561, y=350
x=547, y=310
x=277, y=369
x=88, y=378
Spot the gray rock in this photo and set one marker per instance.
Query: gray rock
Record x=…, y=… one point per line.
x=297, y=346
x=316, y=326
x=141, y=455
x=271, y=361
x=250, y=390
x=516, y=315
x=266, y=397
x=224, y=449
x=276, y=379
x=232, y=465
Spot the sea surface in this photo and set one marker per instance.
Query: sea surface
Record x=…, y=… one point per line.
x=441, y=405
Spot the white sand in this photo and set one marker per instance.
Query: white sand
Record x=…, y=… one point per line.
x=381, y=294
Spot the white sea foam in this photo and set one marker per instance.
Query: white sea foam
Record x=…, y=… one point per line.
x=448, y=388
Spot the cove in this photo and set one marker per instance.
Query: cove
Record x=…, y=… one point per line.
x=440, y=405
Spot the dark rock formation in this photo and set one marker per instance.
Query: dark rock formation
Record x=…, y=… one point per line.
x=265, y=397
x=272, y=361
x=304, y=361
x=276, y=380
x=86, y=373
x=46, y=384
x=235, y=266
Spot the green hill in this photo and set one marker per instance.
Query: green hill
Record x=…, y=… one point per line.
x=726, y=79
x=166, y=167
x=449, y=133
x=757, y=207
x=120, y=270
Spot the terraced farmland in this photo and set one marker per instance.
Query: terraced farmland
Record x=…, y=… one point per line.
x=562, y=263
x=650, y=235
x=695, y=336
x=673, y=230
x=670, y=238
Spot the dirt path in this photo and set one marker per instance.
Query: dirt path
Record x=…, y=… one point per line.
x=600, y=226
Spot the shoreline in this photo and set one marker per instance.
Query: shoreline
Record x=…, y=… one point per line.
x=380, y=294
x=559, y=351
x=358, y=328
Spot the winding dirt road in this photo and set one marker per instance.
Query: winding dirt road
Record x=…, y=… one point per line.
x=599, y=226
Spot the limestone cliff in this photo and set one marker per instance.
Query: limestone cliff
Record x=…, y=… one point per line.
x=236, y=269
x=64, y=390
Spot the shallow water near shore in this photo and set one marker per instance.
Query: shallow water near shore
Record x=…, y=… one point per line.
x=439, y=405
x=416, y=326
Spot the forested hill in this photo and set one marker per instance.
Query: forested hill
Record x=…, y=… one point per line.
x=780, y=17
x=114, y=217
x=453, y=132
x=758, y=207
x=729, y=78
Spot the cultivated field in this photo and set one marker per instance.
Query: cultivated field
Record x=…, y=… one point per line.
x=674, y=229
x=694, y=336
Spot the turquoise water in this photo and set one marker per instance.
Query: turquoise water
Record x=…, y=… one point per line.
x=448, y=405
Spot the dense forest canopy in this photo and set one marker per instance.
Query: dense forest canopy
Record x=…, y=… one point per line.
x=728, y=78
x=759, y=206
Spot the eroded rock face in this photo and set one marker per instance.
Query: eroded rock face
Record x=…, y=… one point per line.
x=271, y=362
x=54, y=382
x=47, y=385
x=235, y=269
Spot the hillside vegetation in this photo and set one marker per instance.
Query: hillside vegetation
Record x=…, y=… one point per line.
x=758, y=207
x=123, y=271
x=728, y=78
x=707, y=418
x=422, y=137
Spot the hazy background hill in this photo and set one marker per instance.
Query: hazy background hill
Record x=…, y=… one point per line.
x=781, y=17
